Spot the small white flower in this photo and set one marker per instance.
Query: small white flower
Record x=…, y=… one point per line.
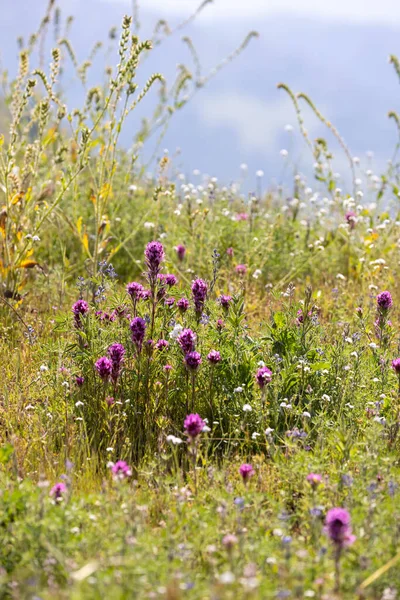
x=380, y=420
x=255, y=435
x=110, y=450
x=260, y=173
x=373, y=346
x=79, y=403
x=257, y=273
x=226, y=578
x=175, y=441
x=206, y=429
x=284, y=153
x=176, y=331
x=247, y=408
x=36, y=238
x=341, y=277
x=326, y=398
x=148, y=225
x=44, y=368
x=268, y=431
x=306, y=414
x=238, y=390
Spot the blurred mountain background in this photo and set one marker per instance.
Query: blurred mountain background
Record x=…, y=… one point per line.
x=340, y=60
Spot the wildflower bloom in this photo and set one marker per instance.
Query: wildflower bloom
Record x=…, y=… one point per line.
x=154, y=254
x=116, y=352
x=225, y=301
x=229, y=252
x=162, y=345
x=187, y=340
x=242, y=217
x=314, y=479
x=199, y=293
x=57, y=491
x=351, y=219
x=121, y=470
x=104, y=367
x=229, y=541
x=170, y=280
x=193, y=360
x=220, y=324
x=396, y=366
x=214, y=357
x=241, y=269
x=263, y=376
x=110, y=400
x=384, y=301
x=169, y=302
x=193, y=425
x=246, y=471
x=79, y=380
x=180, y=251
x=168, y=368
x=183, y=304
x=138, y=330
x=338, y=528
x=79, y=309
x=135, y=290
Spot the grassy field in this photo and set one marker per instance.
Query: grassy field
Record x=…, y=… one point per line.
x=200, y=387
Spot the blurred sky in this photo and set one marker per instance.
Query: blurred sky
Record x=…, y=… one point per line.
x=334, y=50
x=355, y=10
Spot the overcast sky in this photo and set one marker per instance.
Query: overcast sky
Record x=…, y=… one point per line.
x=385, y=11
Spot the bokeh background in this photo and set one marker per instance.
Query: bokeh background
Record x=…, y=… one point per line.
x=337, y=52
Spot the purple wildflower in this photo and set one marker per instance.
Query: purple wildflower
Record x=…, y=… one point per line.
x=214, y=357
x=104, y=367
x=263, y=376
x=314, y=479
x=193, y=425
x=57, y=491
x=338, y=528
x=246, y=471
x=169, y=302
x=162, y=345
x=396, y=366
x=138, y=330
x=79, y=380
x=225, y=301
x=154, y=254
x=199, y=293
x=180, y=251
x=384, y=301
x=116, y=352
x=135, y=290
x=170, y=279
x=241, y=269
x=121, y=470
x=183, y=304
x=187, y=340
x=351, y=219
x=193, y=360
x=80, y=308
x=168, y=368
x=229, y=252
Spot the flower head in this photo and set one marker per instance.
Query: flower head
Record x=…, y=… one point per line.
x=57, y=491
x=162, y=345
x=154, y=254
x=396, y=365
x=193, y=425
x=79, y=380
x=180, y=251
x=135, y=290
x=338, y=528
x=246, y=471
x=187, y=340
x=241, y=269
x=351, y=219
x=104, y=368
x=193, y=360
x=225, y=301
x=229, y=252
x=199, y=293
x=314, y=479
x=121, y=470
x=170, y=279
x=384, y=301
x=183, y=304
x=214, y=357
x=116, y=352
x=138, y=330
x=79, y=309
x=263, y=376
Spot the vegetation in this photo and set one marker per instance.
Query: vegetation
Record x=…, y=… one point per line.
x=200, y=389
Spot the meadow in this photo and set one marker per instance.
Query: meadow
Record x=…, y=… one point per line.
x=200, y=386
